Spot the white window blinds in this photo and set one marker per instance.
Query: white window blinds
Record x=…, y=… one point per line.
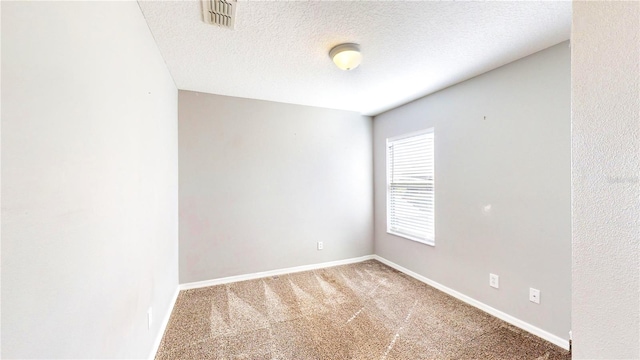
x=410, y=190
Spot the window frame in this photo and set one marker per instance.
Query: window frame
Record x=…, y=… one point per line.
x=389, y=141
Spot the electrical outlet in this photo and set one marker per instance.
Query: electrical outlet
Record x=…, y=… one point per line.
x=320, y=245
x=534, y=295
x=494, y=281
x=149, y=317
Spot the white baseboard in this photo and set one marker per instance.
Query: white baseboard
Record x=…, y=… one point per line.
x=263, y=274
x=163, y=326
x=563, y=343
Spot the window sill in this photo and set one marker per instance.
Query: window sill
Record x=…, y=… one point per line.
x=426, y=242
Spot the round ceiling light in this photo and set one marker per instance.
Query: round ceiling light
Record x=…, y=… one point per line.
x=346, y=56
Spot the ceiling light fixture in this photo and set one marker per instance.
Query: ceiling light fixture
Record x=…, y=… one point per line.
x=346, y=56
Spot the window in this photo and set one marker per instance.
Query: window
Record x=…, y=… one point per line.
x=410, y=186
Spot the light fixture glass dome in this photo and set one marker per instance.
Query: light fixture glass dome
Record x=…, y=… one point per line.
x=346, y=56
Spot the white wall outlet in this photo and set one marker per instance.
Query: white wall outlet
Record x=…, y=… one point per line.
x=494, y=281
x=534, y=295
x=149, y=317
x=320, y=245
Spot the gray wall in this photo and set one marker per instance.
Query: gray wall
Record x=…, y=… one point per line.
x=518, y=161
x=89, y=181
x=605, y=79
x=261, y=182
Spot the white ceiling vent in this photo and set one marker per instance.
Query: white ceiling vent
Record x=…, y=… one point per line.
x=219, y=12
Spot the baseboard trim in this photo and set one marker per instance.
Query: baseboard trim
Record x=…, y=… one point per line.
x=163, y=326
x=263, y=274
x=563, y=343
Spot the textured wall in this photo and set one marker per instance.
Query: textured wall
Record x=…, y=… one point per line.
x=262, y=182
x=605, y=78
x=89, y=181
x=517, y=160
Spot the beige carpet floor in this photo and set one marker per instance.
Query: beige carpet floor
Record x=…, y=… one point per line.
x=360, y=311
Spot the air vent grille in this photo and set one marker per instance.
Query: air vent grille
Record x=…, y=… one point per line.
x=219, y=12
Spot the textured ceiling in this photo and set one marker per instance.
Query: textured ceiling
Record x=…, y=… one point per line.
x=279, y=50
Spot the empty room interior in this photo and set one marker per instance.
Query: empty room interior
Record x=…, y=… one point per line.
x=224, y=179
